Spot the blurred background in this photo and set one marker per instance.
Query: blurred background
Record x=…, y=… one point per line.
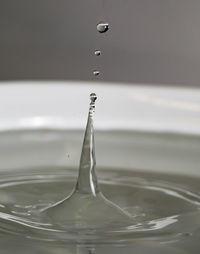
x=149, y=41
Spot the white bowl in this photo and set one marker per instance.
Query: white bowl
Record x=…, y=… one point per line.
x=137, y=127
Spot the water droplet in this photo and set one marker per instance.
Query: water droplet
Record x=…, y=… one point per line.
x=96, y=73
x=102, y=27
x=97, y=52
x=93, y=97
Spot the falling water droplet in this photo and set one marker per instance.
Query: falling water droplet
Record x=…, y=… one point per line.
x=96, y=73
x=97, y=52
x=102, y=27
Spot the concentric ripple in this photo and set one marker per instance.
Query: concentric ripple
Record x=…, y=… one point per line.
x=160, y=206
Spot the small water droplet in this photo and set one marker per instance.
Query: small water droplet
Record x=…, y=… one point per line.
x=102, y=27
x=96, y=73
x=93, y=97
x=97, y=52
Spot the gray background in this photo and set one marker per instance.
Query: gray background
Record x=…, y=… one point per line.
x=149, y=41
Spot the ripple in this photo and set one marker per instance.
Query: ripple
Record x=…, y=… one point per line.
x=159, y=208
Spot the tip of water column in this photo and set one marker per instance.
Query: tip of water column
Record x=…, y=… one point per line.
x=93, y=98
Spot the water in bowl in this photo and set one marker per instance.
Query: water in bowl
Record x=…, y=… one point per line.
x=45, y=210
